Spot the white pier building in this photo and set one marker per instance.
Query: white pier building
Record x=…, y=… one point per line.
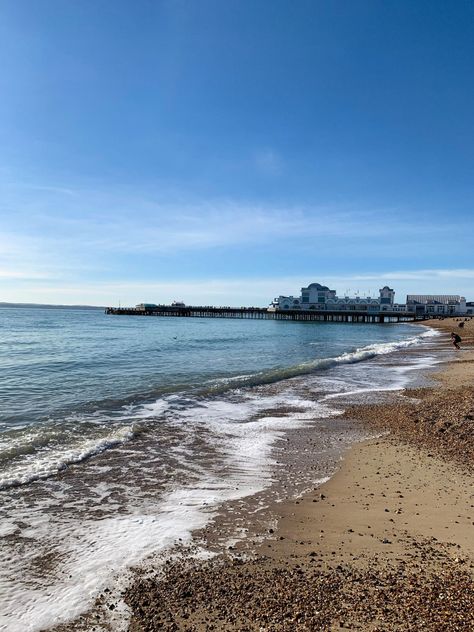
x=320, y=297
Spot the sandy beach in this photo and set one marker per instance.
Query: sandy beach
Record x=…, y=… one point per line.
x=386, y=544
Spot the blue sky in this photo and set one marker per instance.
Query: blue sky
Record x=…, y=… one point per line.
x=227, y=152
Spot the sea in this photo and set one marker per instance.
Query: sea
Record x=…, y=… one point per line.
x=121, y=436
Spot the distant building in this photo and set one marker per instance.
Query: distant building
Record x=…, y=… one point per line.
x=437, y=304
x=144, y=306
x=320, y=297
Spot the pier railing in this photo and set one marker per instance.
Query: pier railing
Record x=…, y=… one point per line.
x=262, y=313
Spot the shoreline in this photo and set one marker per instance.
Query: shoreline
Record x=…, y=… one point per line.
x=91, y=524
x=385, y=544
x=315, y=561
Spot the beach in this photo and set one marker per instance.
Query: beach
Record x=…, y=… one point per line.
x=385, y=544
x=126, y=442
x=316, y=491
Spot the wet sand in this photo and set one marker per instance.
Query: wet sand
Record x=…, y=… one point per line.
x=386, y=544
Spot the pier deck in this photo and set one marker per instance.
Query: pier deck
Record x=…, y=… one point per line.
x=261, y=313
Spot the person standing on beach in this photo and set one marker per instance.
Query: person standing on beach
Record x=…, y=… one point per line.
x=455, y=340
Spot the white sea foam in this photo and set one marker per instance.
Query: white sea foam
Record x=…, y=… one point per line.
x=94, y=550
x=371, y=351
x=50, y=462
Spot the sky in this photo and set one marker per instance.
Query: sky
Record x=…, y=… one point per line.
x=225, y=152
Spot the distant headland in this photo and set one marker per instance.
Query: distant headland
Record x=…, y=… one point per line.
x=49, y=306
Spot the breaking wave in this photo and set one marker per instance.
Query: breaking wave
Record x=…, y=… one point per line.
x=352, y=357
x=49, y=462
x=47, y=451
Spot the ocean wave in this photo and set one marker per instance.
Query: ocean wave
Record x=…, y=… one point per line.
x=46, y=452
x=27, y=442
x=50, y=462
x=352, y=357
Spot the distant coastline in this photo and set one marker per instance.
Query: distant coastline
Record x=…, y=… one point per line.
x=48, y=306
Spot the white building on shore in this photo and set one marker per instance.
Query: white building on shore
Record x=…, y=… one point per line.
x=437, y=304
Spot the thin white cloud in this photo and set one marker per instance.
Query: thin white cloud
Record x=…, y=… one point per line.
x=268, y=162
x=15, y=274
x=236, y=292
x=169, y=228
x=123, y=221
x=86, y=238
x=412, y=275
x=61, y=190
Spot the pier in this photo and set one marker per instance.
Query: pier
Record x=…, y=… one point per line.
x=262, y=313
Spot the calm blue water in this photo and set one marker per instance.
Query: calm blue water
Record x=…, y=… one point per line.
x=120, y=434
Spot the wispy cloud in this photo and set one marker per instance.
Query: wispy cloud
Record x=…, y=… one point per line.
x=20, y=258
x=429, y=281
x=123, y=221
x=268, y=162
x=72, y=241
x=52, y=188
x=245, y=291
x=412, y=275
x=141, y=226
x=195, y=228
x=14, y=274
